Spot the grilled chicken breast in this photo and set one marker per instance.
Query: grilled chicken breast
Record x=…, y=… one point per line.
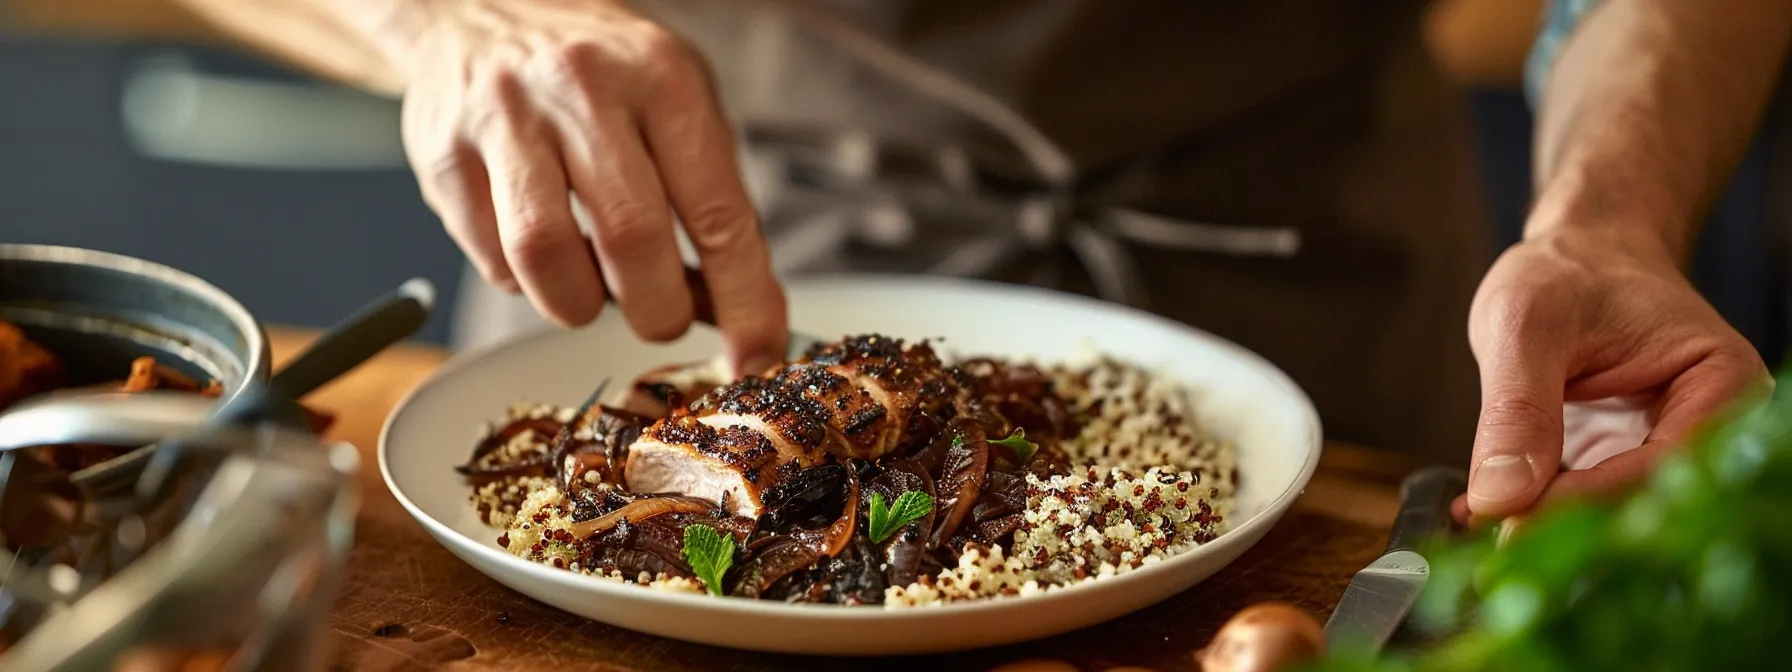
x=683, y=455
x=853, y=399
x=876, y=385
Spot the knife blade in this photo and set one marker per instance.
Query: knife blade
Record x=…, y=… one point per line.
x=1381, y=595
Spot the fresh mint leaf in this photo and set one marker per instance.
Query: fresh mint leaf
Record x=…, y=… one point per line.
x=709, y=553
x=879, y=517
x=1017, y=442
x=887, y=520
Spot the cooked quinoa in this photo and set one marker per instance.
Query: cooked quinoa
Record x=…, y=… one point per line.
x=1148, y=483
x=1137, y=421
x=498, y=501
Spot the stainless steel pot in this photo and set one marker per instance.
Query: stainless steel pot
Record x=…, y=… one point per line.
x=98, y=311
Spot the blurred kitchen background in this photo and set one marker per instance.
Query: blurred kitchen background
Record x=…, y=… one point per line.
x=129, y=126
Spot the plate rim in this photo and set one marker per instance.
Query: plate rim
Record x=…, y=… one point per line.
x=811, y=611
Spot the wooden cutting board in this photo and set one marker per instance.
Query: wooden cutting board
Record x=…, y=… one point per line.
x=409, y=604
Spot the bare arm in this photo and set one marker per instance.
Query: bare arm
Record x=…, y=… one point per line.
x=1648, y=109
x=1591, y=318
x=357, y=42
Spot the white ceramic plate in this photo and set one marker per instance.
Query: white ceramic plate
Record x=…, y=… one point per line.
x=1238, y=395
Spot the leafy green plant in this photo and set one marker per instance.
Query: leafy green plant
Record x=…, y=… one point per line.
x=710, y=554
x=1692, y=571
x=886, y=520
x=1017, y=442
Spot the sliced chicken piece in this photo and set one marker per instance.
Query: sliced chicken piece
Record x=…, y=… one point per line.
x=856, y=422
x=683, y=455
x=894, y=382
x=796, y=425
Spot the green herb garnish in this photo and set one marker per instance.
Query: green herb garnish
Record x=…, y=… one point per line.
x=1017, y=442
x=886, y=520
x=710, y=554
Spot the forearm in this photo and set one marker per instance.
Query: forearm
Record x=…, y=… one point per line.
x=358, y=42
x=1649, y=107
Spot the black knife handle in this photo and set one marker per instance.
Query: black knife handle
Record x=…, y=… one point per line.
x=378, y=325
x=1425, y=498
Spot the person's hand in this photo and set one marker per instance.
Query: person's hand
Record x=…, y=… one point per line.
x=1596, y=356
x=512, y=104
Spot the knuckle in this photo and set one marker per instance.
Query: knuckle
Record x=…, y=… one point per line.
x=1741, y=366
x=671, y=65
x=626, y=227
x=536, y=242
x=721, y=227
x=572, y=66
x=439, y=165
x=431, y=142
x=496, y=101
x=497, y=84
x=1518, y=309
x=1503, y=318
x=659, y=45
x=1517, y=412
x=427, y=129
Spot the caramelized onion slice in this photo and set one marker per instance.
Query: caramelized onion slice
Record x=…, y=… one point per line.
x=778, y=558
x=639, y=511
x=604, y=450
x=477, y=465
x=838, y=534
x=799, y=550
x=961, y=477
x=806, y=494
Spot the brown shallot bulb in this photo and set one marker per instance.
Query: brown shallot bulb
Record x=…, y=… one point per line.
x=1264, y=638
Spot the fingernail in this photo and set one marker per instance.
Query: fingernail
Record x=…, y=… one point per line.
x=1507, y=527
x=1500, y=478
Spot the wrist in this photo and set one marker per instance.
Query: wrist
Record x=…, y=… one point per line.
x=1643, y=222
x=393, y=28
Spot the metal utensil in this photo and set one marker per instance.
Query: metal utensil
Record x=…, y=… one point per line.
x=1381, y=595
x=357, y=338
x=375, y=327
x=108, y=418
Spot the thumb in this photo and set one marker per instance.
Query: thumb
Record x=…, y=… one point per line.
x=1701, y=392
x=1518, y=441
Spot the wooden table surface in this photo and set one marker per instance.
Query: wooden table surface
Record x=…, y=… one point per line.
x=410, y=605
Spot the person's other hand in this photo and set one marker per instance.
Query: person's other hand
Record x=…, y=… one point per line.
x=513, y=104
x=1596, y=356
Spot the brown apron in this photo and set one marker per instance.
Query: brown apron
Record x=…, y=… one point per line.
x=1322, y=115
